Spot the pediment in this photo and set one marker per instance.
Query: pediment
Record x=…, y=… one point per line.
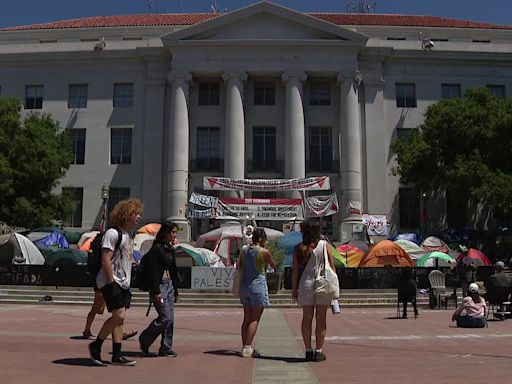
x=264, y=22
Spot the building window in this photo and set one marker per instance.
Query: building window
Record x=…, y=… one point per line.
x=77, y=195
x=34, y=97
x=320, y=149
x=450, y=91
x=264, y=93
x=264, y=148
x=123, y=95
x=405, y=95
x=209, y=93
x=208, y=148
x=121, y=146
x=409, y=206
x=497, y=90
x=78, y=143
x=319, y=93
x=116, y=195
x=77, y=96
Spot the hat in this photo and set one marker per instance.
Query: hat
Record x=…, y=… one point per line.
x=473, y=288
x=500, y=265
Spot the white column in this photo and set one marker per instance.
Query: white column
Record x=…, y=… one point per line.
x=178, y=155
x=351, y=146
x=295, y=153
x=234, y=144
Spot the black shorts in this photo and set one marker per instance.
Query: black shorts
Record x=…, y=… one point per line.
x=116, y=297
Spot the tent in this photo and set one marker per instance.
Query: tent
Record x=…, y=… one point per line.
x=17, y=249
x=475, y=256
x=413, y=249
x=86, y=246
x=151, y=229
x=227, y=241
x=196, y=256
x=85, y=237
x=55, y=239
x=38, y=233
x=63, y=256
x=386, y=253
x=429, y=260
x=433, y=243
x=414, y=237
x=142, y=242
x=352, y=254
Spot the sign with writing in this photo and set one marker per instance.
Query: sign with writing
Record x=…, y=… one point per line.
x=377, y=224
x=261, y=209
x=212, y=279
x=319, y=183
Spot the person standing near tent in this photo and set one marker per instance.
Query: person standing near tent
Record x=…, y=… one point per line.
x=308, y=258
x=253, y=261
x=114, y=279
x=162, y=276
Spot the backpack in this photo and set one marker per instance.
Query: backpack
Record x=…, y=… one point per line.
x=142, y=280
x=94, y=254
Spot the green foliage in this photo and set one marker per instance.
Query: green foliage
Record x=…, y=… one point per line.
x=278, y=254
x=464, y=145
x=34, y=154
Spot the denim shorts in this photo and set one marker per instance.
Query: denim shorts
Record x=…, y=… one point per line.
x=255, y=294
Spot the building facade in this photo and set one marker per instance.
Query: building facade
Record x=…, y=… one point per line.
x=156, y=102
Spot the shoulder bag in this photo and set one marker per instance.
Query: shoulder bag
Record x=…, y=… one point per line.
x=327, y=286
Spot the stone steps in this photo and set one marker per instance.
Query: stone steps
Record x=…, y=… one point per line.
x=191, y=298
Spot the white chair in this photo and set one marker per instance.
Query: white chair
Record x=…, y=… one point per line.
x=438, y=286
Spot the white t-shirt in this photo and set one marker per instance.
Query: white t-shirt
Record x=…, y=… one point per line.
x=121, y=259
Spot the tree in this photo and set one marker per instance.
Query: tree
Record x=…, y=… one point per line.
x=34, y=154
x=464, y=145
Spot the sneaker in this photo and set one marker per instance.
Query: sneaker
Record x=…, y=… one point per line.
x=130, y=334
x=170, y=353
x=145, y=351
x=95, y=355
x=310, y=355
x=121, y=360
x=319, y=356
x=247, y=352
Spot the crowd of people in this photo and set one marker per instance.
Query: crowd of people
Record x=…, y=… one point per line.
x=310, y=258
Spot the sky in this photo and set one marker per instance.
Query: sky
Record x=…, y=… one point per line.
x=24, y=12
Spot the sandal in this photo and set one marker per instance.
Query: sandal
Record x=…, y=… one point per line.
x=130, y=334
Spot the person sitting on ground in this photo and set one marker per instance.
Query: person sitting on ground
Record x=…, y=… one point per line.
x=472, y=312
x=407, y=291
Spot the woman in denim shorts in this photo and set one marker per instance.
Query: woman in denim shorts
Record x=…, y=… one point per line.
x=253, y=261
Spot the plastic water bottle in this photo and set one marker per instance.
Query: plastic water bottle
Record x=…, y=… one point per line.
x=335, y=307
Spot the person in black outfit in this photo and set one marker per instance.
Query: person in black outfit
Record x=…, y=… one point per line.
x=162, y=276
x=498, y=286
x=407, y=291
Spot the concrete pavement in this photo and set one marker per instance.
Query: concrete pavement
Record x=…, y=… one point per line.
x=38, y=344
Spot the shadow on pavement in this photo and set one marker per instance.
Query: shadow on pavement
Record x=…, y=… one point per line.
x=83, y=361
x=223, y=352
x=291, y=360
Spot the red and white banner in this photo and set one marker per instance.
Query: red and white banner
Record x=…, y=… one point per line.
x=262, y=209
x=317, y=206
x=320, y=183
x=377, y=225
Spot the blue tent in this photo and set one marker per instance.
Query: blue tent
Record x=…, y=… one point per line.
x=414, y=237
x=53, y=240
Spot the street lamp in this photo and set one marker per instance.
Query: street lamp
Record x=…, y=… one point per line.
x=105, y=194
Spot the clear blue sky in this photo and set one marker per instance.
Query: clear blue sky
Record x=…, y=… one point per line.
x=22, y=12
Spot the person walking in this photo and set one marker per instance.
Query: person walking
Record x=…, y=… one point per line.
x=472, y=312
x=253, y=261
x=160, y=269
x=407, y=288
x=114, y=279
x=308, y=258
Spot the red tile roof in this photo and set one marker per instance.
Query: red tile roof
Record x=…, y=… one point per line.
x=194, y=18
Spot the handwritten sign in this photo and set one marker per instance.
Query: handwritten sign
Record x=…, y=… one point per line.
x=211, y=279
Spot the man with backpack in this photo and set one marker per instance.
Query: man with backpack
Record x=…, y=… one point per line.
x=114, y=279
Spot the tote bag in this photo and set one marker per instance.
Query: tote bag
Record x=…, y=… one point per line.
x=326, y=284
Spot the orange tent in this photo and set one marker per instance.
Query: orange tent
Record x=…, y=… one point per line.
x=386, y=253
x=151, y=229
x=353, y=255
x=86, y=246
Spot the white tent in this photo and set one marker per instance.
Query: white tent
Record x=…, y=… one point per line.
x=17, y=249
x=85, y=236
x=227, y=241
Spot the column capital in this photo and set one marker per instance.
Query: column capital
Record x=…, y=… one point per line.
x=235, y=75
x=174, y=75
x=288, y=75
x=353, y=77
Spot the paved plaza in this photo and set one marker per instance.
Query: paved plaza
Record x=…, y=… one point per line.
x=38, y=343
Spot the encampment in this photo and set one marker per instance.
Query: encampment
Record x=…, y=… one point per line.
x=17, y=249
x=386, y=253
x=54, y=239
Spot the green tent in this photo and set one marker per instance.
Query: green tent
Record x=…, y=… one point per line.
x=429, y=260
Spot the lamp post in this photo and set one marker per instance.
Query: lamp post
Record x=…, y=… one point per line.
x=424, y=212
x=105, y=193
